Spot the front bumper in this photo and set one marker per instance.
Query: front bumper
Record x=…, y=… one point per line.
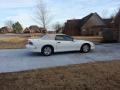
x=92, y=47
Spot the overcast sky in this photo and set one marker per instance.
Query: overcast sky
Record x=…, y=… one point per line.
x=61, y=10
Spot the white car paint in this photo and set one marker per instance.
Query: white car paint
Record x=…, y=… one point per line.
x=58, y=45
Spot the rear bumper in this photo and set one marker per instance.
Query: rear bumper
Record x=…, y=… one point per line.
x=32, y=48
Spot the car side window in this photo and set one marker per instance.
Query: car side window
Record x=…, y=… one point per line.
x=68, y=38
x=63, y=38
x=59, y=37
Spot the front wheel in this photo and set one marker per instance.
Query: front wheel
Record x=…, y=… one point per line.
x=85, y=48
x=47, y=51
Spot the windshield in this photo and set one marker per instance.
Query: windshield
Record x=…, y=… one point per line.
x=47, y=37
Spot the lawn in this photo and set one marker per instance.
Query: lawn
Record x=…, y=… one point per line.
x=95, y=39
x=90, y=76
x=15, y=41
x=12, y=42
x=18, y=41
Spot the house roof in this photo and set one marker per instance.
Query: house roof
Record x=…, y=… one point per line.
x=85, y=19
x=117, y=18
x=82, y=21
x=106, y=21
x=5, y=28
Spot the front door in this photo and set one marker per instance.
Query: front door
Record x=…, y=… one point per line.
x=65, y=43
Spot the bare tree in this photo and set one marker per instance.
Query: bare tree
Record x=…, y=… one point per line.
x=42, y=15
x=104, y=13
x=58, y=27
x=9, y=23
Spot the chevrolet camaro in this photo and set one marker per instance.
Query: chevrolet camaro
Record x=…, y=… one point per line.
x=51, y=43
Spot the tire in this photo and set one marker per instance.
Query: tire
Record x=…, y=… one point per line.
x=47, y=50
x=85, y=48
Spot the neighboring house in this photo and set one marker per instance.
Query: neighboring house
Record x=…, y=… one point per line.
x=108, y=22
x=34, y=29
x=26, y=30
x=5, y=30
x=117, y=25
x=59, y=30
x=90, y=25
x=51, y=32
x=72, y=27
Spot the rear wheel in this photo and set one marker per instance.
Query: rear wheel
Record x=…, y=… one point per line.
x=47, y=51
x=85, y=48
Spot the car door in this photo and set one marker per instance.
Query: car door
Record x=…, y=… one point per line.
x=65, y=43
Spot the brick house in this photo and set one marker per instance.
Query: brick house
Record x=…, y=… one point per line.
x=26, y=30
x=51, y=32
x=34, y=29
x=72, y=27
x=5, y=30
x=90, y=25
x=117, y=25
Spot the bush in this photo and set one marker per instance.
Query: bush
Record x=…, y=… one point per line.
x=107, y=34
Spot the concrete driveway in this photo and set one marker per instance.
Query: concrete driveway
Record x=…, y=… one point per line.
x=21, y=59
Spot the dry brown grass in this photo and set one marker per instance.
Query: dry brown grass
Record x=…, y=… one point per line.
x=91, y=76
x=17, y=41
x=12, y=42
x=96, y=39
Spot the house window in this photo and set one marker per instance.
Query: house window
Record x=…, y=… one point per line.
x=92, y=32
x=83, y=30
x=100, y=33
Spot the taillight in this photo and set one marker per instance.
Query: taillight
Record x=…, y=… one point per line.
x=30, y=43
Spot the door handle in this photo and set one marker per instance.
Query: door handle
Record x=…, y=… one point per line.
x=58, y=42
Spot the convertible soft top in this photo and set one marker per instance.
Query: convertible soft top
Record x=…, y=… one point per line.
x=50, y=36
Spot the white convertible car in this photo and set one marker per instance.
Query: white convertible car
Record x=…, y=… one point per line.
x=50, y=43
